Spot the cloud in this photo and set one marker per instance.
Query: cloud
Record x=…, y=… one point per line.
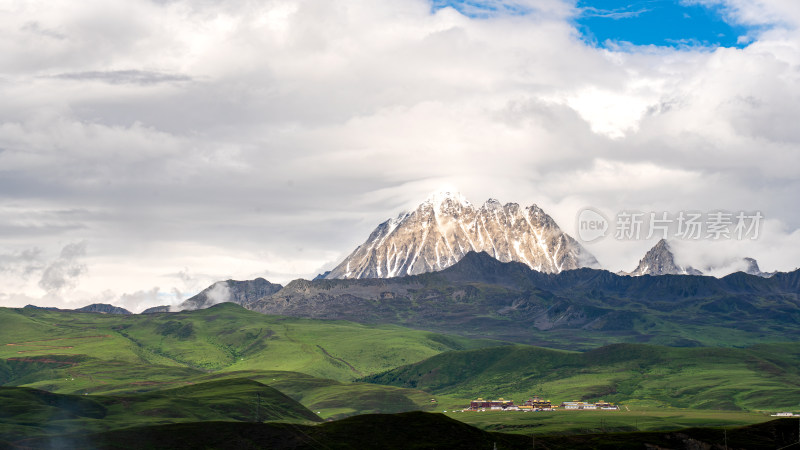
x=241, y=139
x=22, y=263
x=63, y=273
x=616, y=14
x=137, y=301
x=36, y=28
x=123, y=77
x=219, y=293
x=769, y=13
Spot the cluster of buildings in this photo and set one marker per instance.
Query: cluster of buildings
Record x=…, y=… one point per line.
x=583, y=405
x=535, y=404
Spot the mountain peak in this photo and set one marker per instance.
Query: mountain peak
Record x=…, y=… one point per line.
x=103, y=308
x=661, y=245
x=492, y=203
x=442, y=197
x=660, y=260
x=752, y=266
x=447, y=226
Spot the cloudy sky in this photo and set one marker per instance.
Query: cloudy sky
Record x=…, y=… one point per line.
x=151, y=147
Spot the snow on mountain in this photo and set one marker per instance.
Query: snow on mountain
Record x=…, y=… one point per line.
x=660, y=260
x=446, y=226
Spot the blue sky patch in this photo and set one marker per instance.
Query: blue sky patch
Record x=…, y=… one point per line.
x=481, y=8
x=669, y=23
x=665, y=23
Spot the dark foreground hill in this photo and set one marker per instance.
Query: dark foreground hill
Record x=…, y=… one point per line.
x=414, y=430
x=480, y=296
x=27, y=412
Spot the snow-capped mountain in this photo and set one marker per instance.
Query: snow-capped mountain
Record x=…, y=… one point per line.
x=446, y=226
x=746, y=265
x=660, y=260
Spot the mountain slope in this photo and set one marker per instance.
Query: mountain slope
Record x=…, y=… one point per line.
x=748, y=379
x=239, y=292
x=481, y=296
x=32, y=412
x=446, y=227
x=224, y=337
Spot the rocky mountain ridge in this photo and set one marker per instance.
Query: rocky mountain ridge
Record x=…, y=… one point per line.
x=103, y=308
x=660, y=260
x=239, y=292
x=481, y=296
x=446, y=227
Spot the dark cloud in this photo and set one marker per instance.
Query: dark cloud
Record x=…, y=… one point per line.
x=124, y=77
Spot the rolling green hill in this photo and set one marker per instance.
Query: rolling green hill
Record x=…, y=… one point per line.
x=30, y=412
x=764, y=377
x=210, y=365
x=311, y=361
x=223, y=337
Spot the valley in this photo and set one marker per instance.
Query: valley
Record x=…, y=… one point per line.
x=69, y=375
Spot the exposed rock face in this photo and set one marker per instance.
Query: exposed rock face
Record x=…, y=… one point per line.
x=156, y=309
x=50, y=308
x=751, y=267
x=446, y=226
x=240, y=292
x=659, y=260
x=103, y=308
x=322, y=276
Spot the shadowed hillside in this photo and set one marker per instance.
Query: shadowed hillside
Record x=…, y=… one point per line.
x=575, y=309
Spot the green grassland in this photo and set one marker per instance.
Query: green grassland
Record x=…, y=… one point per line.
x=224, y=337
x=312, y=361
x=760, y=378
x=98, y=372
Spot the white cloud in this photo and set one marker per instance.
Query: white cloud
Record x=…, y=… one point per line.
x=64, y=272
x=769, y=13
x=233, y=140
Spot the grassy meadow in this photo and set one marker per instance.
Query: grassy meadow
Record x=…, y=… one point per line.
x=312, y=361
x=765, y=377
x=65, y=371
